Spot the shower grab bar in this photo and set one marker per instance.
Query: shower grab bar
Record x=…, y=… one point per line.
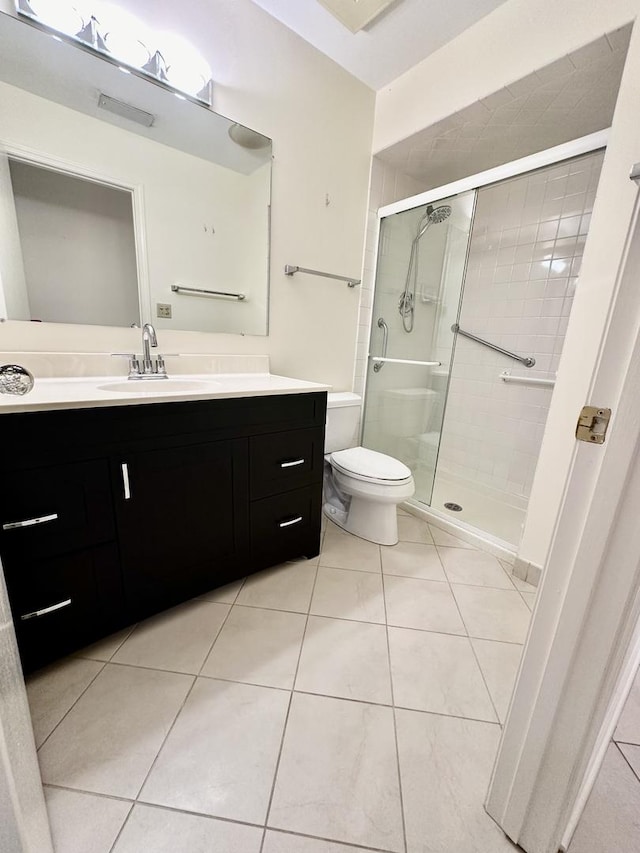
x=379, y=362
x=506, y=376
x=290, y=269
x=527, y=360
x=199, y=291
x=377, y=367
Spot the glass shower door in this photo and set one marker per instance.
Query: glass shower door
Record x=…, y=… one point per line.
x=421, y=264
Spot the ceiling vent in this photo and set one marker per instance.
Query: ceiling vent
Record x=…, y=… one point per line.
x=356, y=14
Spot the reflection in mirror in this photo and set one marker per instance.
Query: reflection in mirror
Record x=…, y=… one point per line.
x=107, y=219
x=78, y=249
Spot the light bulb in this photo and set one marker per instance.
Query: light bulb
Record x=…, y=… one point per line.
x=60, y=15
x=124, y=35
x=187, y=70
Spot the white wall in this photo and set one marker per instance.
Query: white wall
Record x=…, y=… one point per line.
x=515, y=40
x=320, y=119
x=78, y=248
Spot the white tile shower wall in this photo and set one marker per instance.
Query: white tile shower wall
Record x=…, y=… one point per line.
x=387, y=185
x=524, y=261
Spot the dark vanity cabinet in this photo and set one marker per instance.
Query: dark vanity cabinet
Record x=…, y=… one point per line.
x=108, y=515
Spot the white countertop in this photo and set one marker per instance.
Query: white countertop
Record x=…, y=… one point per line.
x=93, y=391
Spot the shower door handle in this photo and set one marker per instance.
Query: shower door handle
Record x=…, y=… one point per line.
x=378, y=365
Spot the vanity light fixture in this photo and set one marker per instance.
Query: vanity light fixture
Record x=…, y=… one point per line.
x=107, y=29
x=247, y=138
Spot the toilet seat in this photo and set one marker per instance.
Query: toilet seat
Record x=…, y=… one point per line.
x=371, y=466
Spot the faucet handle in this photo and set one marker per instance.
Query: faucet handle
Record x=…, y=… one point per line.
x=134, y=363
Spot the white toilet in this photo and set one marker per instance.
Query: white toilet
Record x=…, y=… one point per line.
x=362, y=487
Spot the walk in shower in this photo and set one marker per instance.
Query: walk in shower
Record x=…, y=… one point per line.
x=472, y=298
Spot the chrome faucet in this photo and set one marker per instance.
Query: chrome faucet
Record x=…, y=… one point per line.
x=149, y=339
x=149, y=368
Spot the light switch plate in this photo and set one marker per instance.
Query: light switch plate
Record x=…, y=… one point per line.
x=356, y=14
x=163, y=309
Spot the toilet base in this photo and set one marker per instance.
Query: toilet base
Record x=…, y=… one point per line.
x=375, y=522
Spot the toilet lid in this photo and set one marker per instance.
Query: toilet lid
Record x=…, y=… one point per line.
x=370, y=465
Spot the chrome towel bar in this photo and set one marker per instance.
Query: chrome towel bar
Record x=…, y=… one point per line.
x=199, y=291
x=379, y=360
x=527, y=360
x=506, y=376
x=351, y=282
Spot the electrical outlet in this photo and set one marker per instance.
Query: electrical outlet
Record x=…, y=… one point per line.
x=163, y=310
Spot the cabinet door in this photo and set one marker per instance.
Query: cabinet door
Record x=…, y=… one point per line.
x=183, y=518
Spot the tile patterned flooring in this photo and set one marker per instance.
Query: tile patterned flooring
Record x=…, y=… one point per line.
x=347, y=703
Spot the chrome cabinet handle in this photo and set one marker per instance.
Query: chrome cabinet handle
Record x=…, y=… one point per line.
x=30, y=522
x=46, y=610
x=292, y=464
x=125, y=481
x=289, y=523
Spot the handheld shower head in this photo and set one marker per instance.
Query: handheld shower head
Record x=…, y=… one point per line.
x=438, y=214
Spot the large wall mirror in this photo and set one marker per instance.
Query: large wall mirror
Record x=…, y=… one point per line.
x=122, y=202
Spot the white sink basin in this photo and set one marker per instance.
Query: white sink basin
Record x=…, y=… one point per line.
x=158, y=386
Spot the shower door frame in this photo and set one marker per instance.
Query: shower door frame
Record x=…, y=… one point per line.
x=549, y=157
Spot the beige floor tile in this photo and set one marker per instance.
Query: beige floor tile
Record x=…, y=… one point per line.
x=473, y=567
x=413, y=560
x=285, y=587
x=224, y=594
x=426, y=605
x=345, y=659
x=628, y=728
x=442, y=538
x=258, y=647
x=177, y=640
x=54, y=690
x=342, y=550
x=499, y=663
x=84, y=822
x=348, y=595
x=220, y=758
x=530, y=599
x=155, y=830
x=105, y=649
x=611, y=819
x=338, y=775
x=632, y=753
x=283, y=842
x=411, y=529
x=437, y=673
x=493, y=614
x=109, y=739
x=445, y=766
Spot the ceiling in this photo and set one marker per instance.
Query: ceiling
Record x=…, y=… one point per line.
x=403, y=34
x=568, y=99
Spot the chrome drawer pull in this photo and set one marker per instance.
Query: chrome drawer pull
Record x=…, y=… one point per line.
x=46, y=610
x=289, y=523
x=125, y=481
x=292, y=464
x=30, y=522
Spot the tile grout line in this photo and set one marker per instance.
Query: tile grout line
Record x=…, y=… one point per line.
x=121, y=830
x=180, y=709
x=626, y=760
x=286, y=719
x=473, y=651
x=393, y=710
x=68, y=711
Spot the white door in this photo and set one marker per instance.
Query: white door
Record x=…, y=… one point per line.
x=583, y=640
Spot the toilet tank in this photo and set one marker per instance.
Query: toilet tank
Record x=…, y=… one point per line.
x=343, y=421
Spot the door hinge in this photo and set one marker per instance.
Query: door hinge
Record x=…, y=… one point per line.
x=592, y=424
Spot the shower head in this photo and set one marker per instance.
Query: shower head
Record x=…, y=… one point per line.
x=433, y=216
x=438, y=214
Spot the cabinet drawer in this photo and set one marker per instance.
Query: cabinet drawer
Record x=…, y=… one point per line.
x=63, y=603
x=284, y=461
x=286, y=526
x=53, y=510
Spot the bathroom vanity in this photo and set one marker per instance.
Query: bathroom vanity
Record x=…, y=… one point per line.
x=111, y=512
